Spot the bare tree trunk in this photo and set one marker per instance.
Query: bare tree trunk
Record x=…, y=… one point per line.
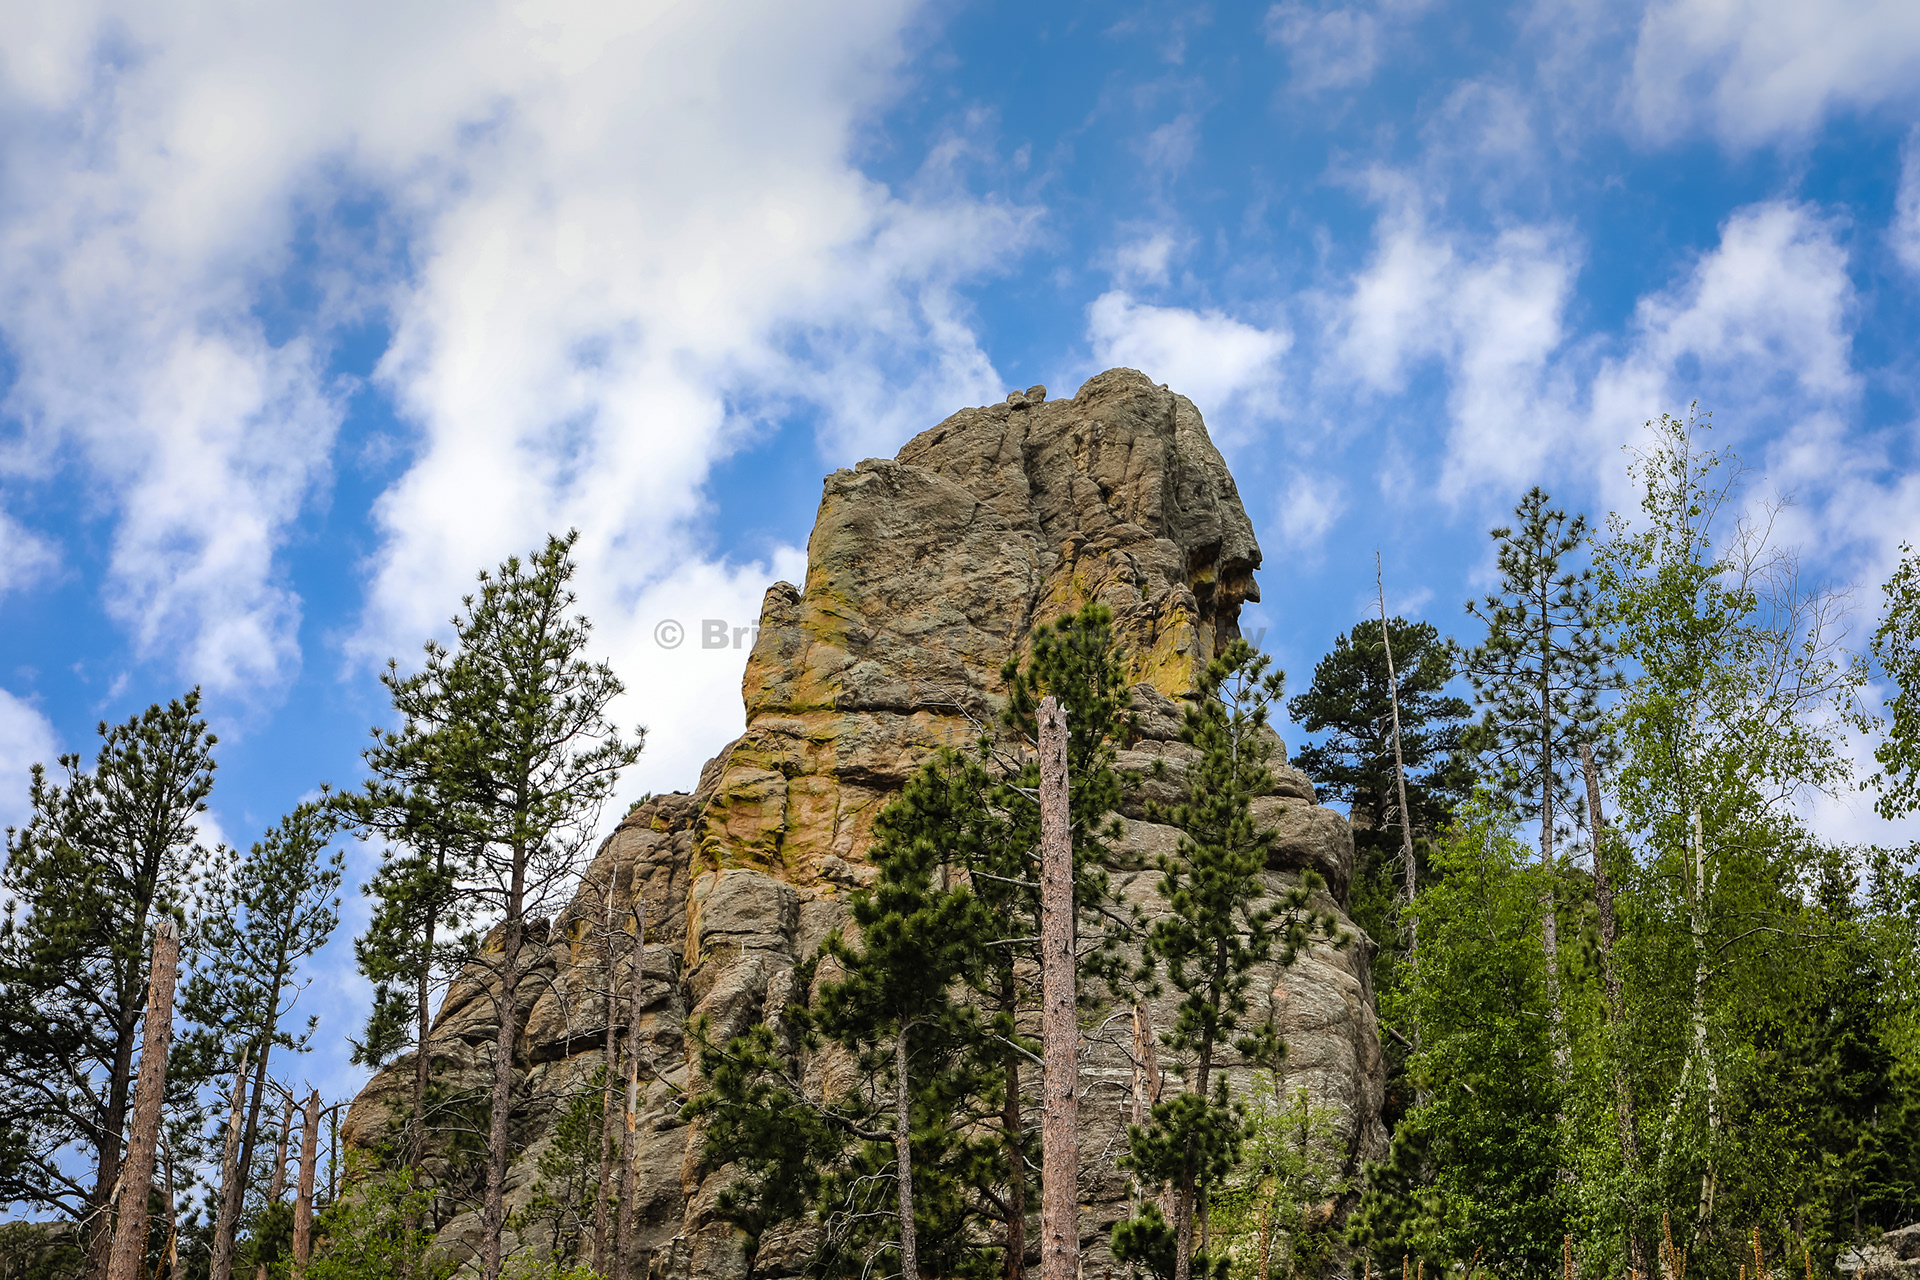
x=422, y=1055
x=607, y=1118
x=136, y=1174
x=1146, y=1092
x=303, y=1194
x=233, y=1195
x=629, y=1225
x=1016, y=1138
x=223, y=1227
x=903, y=1156
x=277, y=1183
x=493, y=1214
x=1411, y=872
x=1059, y=1023
x=1549, y=919
x=170, y=1256
x=1616, y=1013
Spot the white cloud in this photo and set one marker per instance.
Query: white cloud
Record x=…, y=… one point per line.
x=1905, y=231
x=1309, y=507
x=608, y=239
x=1492, y=313
x=1145, y=261
x=1331, y=49
x=25, y=556
x=1225, y=366
x=1758, y=331
x=26, y=739
x=1170, y=147
x=1751, y=71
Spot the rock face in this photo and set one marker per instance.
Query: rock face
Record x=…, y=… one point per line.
x=1894, y=1256
x=924, y=575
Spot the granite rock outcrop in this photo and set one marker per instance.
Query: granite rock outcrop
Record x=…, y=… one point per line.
x=925, y=573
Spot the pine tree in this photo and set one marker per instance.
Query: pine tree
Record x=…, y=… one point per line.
x=1221, y=922
x=508, y=731
x=1539, y=675
x=102, y=855
x=277, y=907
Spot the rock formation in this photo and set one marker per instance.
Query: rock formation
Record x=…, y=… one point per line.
x=924, y=574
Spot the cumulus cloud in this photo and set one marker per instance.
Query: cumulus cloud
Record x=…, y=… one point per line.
x=1758, y=330
x=26, y=739
x=1751, y=71
x=1904, y=234
x=1329, y=49
x=609, y=241
x=25, y=556
x=1491, y=312
x=1309, y=508
x=1227, y=367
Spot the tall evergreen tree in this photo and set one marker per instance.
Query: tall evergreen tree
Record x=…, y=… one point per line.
x=101, y=856
x=278, y=907
x=509, y=728
x=1222, y=920
x=1539, y=675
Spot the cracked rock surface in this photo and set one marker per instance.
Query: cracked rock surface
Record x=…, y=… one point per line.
x=925, y=573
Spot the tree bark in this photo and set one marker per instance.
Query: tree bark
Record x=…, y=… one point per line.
x=422, y=1056
x=493, y=1215
x=903, y=1156
x=223, y=1227
x=1183, y=1219
x=1011, y=1127
x=303, y=1194
x=107, y=1145
x=612, y=1066
x=1146, y=1093
x=1549, y=918
x=1616, y=1012
x=1399, y=777
x=629, y=1224
x=130, y=1231
x=1059, y=1023
x=277, y=1184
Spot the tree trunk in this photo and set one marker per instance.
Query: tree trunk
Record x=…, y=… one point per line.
x=1146, y=1092
x=629, y=1224
x=1549, y=918
x=303, y=1194
x=277, y=1184
x=1059, y=1023
x=493, y=1215
x=1400, y=779
x=233, y=1194
x=1015, y=1134
x=903, y=1157
x=107, y=1143
x=611, y=1068
x=1698, y=928
x=223, y=1227
x=1616, y=1013
x=1183, y=1219
x=422, y=1056
x=130, y=1231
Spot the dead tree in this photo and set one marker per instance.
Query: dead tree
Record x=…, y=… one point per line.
x=226, y=1222
x=1059, y=1023
x=303, y=1195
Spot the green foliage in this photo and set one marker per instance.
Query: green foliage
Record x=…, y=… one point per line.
x=1273, y=1215
x=103, y=854
x=1896, y=647
x=567, y=1177
x=1220, y=923
x=1541, y=670
x=376, y=1232
x=1474, y=1166
x=1349, y=701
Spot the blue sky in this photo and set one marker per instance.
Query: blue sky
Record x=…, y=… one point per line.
x=306, y=313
